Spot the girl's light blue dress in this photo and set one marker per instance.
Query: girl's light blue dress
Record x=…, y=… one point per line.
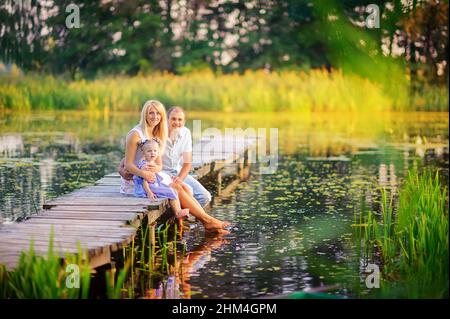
x=160, y=189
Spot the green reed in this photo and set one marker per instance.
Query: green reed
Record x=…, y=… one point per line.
x=412, y=238
x=46, y=277
x=114, y=287
x=162, y=234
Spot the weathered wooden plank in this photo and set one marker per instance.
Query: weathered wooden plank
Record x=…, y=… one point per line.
x=203, y=170
x=59, y=248
x=97, y=187
x=104, y=202
x=100, y=196
x=52, y=212
x=89, y=201
x=51, y=221
x=114, y=175
x=94, y=245
x=45, y=212
x=106, y=241
x=102, y=183
x=99, y=243
x=89, y=230
x=90, y=242
x=95, y=208
x=75, y=217
x=12, y=260
x=85, y=233
x=110, y=179
x=114, y=190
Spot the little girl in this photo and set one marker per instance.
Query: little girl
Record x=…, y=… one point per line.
x=160, y=188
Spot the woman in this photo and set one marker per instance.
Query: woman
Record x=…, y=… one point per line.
x=153, y=123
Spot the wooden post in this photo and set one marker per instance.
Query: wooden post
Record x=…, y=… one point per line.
x=247, y=162
x=241, y=168
x=152, y=232
x=219, y=183
x=101, y=259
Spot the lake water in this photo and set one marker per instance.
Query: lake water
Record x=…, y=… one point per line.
x=292, y=229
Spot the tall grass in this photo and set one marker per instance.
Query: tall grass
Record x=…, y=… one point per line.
x=45, y=277
x=316, y=90
x=412, y=240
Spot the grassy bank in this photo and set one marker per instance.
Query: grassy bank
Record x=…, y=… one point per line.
x=411, y=240
x=315, y=91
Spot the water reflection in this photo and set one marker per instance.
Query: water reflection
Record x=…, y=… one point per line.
x=37, y=166
x=11, y=145
x=177, y=284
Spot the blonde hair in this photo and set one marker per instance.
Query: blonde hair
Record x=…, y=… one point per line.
x=153, y=140
x=160, y=130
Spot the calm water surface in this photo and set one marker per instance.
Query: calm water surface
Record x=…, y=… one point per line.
x=292, y=229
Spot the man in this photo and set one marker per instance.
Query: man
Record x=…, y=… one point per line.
x=177, y=157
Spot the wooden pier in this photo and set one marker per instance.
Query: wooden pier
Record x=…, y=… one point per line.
x=100, y=220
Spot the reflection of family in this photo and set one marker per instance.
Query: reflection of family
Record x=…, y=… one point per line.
x=158, y=158
x=178, y=283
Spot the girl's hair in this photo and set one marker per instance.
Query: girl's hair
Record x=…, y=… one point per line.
x=153, y=140
x=160, y=130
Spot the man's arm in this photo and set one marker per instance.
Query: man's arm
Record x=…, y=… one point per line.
x=187, y=164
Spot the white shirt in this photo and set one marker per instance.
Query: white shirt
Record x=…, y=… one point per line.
x=172, y=159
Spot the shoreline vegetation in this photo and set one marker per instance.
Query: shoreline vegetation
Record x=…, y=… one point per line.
x=409, y=238
x=254, y=91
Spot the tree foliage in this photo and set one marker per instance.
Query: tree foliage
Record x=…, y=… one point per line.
x=179, y=36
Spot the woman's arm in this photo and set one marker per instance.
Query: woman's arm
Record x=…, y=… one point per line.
x=123, y=171
x=130, y=154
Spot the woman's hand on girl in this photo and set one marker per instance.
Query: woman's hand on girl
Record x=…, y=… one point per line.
x=149, y=176
x=151, y=167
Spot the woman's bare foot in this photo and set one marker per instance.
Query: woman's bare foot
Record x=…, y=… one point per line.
x=217, y=231
x=216, y=226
